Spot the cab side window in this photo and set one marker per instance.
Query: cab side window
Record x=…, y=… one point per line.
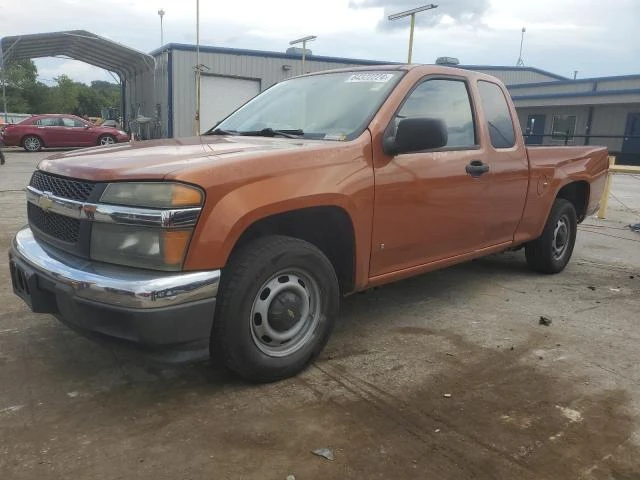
x=47, y=122
x=447, y=100
x=72, y=122
x=497, y=115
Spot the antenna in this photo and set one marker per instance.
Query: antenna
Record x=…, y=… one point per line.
x=520, y=62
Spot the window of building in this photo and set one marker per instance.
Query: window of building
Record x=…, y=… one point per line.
x=563, y=128
x=447, y=100
x=497, y=115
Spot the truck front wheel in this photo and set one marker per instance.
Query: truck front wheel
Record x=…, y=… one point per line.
x=551, y=252
x=277, y=304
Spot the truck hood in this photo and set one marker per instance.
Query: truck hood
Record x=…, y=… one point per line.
x=155, y=159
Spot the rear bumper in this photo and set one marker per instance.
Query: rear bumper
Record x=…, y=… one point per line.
x=148, y=307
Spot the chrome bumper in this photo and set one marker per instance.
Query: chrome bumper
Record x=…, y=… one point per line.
x=110, y=284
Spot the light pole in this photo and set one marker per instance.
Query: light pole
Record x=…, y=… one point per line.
x=411, y=13
x=4, y=81
x=161, y=12
x=304, y=41
x=198, y=68
x=520, y=62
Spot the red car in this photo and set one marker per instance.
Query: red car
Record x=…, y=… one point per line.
x=44, y=131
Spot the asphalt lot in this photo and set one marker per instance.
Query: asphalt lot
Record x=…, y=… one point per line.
x=447, y=376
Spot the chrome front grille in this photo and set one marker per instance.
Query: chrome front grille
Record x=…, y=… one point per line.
x=57, y=226
x=62, y=187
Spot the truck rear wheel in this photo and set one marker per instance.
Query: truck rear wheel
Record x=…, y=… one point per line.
x=551, y=252
x=276, y=308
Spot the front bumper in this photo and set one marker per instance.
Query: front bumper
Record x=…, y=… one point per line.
x=149, y=307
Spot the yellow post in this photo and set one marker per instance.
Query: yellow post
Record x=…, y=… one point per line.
x=413, y=24
x=604, y=201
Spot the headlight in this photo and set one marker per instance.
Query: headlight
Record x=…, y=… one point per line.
x=144, y=247
x=139, y=234
x=152, y=194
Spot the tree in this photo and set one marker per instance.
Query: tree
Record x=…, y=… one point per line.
x=66, y=94
x=19, y=76
x=25, y=94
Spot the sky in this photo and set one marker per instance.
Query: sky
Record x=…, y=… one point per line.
x=596, y=38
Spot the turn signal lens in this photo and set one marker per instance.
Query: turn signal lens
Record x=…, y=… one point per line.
x=185, y=196
x=174, y=243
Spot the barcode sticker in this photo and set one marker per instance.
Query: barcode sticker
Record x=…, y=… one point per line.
x=369, y=77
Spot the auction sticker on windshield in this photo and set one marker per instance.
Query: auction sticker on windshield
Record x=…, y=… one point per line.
x=369, y=77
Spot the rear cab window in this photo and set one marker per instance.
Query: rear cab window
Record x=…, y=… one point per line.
x=497, y=115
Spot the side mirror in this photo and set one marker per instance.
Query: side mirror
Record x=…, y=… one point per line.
x=417, y=134
x=87, y=127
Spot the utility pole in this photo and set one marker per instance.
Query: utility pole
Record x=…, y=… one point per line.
x=4, y=81
x=4, y=95
x=520, y=62
x=304, y=41
x=198, y=67
x=161, y=12
x=412, y=14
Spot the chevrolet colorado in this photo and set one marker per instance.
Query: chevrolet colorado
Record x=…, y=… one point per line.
x=321, y=186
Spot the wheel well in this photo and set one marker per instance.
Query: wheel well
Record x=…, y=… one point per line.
x=578, y=194
x=328, y=228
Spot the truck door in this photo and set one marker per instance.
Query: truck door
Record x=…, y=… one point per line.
x=508, y=162
x=429, y=205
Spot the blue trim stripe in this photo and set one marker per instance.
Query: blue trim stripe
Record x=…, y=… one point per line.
x=259, y=53
x=605, y=93
x=576, y=82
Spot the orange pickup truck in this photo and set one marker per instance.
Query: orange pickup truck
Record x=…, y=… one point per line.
x=323, y=185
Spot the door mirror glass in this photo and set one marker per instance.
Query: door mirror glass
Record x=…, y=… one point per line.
x=417, y=134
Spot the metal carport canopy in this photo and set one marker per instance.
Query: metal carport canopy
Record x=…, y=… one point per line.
x=78, y=45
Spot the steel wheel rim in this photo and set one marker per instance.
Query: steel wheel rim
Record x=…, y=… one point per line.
x=561, y=237
x=32, y=143
x=285, y=313
x=106, y=141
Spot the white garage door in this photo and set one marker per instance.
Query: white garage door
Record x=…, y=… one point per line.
x=219, y=96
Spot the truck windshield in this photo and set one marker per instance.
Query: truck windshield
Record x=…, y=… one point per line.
x=331, y=106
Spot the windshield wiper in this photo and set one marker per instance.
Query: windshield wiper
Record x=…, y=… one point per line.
x=270, y=132
x=219, y=131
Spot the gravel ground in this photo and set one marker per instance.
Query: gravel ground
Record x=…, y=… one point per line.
x=448, y=375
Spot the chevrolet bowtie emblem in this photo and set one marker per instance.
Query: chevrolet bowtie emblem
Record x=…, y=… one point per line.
x=45, y=202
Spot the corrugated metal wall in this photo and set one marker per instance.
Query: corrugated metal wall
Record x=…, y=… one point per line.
x=630, y=83
x=611, y=120
x=518, y=76
x=606, y=120
x=268, y=70
x=144, y=91
x=581, y=114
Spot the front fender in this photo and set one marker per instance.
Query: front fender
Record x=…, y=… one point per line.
x=348, y=186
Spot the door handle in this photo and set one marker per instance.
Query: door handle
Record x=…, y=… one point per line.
x=477, y=168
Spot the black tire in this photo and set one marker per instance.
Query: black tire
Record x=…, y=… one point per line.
x=107, y=140
x=32, y=143
x=551, y=252
x=236, y=338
